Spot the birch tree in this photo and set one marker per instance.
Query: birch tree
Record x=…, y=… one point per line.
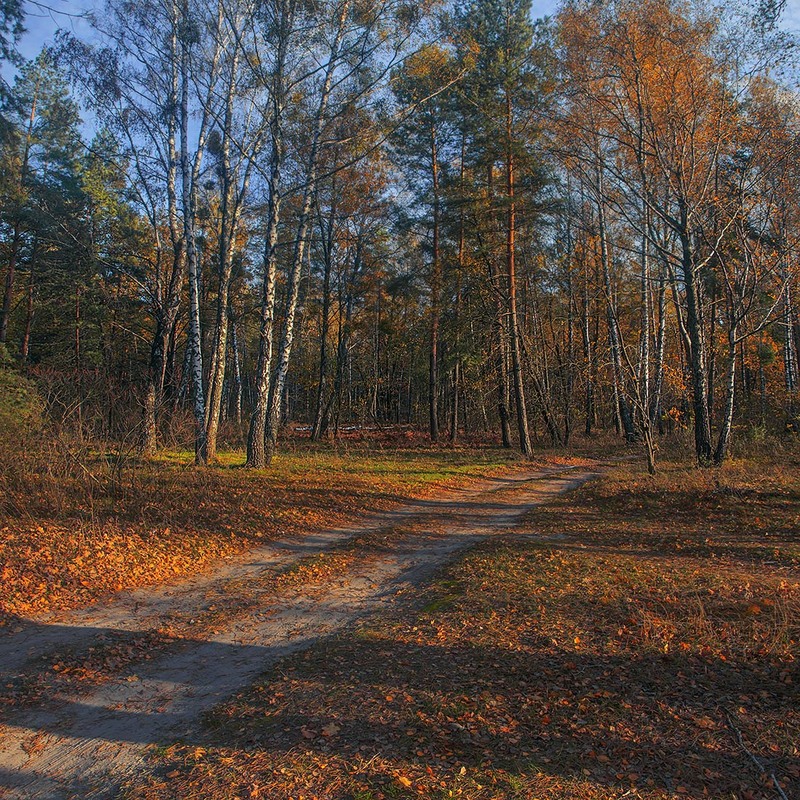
x=329, y=61
x=234, y=144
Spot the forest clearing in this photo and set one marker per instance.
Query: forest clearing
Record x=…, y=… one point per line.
x=493, y=638
x=399, y=399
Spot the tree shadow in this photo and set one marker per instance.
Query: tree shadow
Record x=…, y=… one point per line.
x=660, y=721
x=664, y=719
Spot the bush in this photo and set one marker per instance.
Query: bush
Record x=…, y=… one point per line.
x=20, y=407
x=21, y=422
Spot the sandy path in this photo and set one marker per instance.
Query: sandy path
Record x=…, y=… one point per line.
x=81, y=745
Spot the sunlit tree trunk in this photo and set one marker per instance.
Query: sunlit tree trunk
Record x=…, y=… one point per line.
x=188, y=198
x=237, y=373
x=256, y=437
x=278, y=383
x=232, y=197
x=511, y=267
x=256, y=451
x=726, y=423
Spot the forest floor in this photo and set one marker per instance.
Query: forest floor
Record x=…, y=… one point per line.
x=83, y=690
x=108, y=522
x=635, y=637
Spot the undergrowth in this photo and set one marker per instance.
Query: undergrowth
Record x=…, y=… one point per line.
x=75, y=527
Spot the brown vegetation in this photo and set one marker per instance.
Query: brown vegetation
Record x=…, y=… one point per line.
x=639, y=637
x=75, y=524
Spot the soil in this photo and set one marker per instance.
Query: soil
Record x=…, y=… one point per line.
x=86, y=692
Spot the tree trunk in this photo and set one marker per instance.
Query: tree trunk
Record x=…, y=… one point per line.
x=501, y=355
x=256, y=451
x=514, y=332
x=614, y=338
x=790, y=360
x=661, y=334
x=726, y=425
x=256, y=437
x=436, y=288
x=8, y=295
x=588, y=355
x=16, y=238
x=231, y=202
x=25, y=345
x=335, y=403
x=694, y=329
x=325, y=326
x=457, y=325
x=645, y=324
x=237, y=374
x=192, y=260
x=322, y=375
x=296, y=269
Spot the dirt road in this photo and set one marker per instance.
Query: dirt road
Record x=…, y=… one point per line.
x=169, y=654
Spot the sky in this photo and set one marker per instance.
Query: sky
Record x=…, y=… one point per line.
x=42, y=24
x=792, y=15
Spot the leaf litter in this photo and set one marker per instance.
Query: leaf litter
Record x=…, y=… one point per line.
x=636, y=639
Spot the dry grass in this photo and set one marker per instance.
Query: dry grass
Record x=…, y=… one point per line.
x=70, y=536
x=617, y=644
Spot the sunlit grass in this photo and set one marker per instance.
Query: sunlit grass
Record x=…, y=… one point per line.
x=121, y=522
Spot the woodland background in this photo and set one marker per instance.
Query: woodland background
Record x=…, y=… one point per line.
x=441, y=216
x=382, y=253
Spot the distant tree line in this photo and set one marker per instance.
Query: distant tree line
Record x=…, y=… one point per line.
x=372, y=212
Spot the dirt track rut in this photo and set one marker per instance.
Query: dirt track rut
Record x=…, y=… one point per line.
x=83, y=745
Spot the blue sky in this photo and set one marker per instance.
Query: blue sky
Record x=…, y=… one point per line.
x=41, y=25
x=792, y=19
